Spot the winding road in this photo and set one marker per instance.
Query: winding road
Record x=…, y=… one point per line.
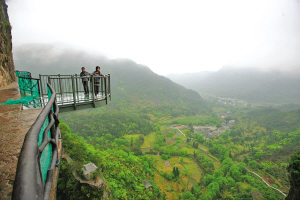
x=266, y=182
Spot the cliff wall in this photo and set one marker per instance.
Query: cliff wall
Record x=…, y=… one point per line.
x=7, y=68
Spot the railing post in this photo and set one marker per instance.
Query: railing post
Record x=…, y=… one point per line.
x=105, y=90
x=49, y=80
x=41, y=86
x=73, y=88
x=30, y=80
x=61, y=95
x=102, y=81
x=109, y=87
x=93, y=90
x=76, y=85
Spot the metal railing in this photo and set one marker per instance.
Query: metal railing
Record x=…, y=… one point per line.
x=27, y=84
x=44, y=80
x=39, y=154
x=26, y=73
x=71, y=93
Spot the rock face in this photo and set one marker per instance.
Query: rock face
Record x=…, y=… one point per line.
x=7, y=68
x=294, y=176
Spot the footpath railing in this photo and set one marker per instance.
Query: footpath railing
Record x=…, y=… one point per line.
x=26, y=73
x=39, y=154
x=27, y=84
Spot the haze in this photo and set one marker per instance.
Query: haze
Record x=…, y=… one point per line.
x=167, y=36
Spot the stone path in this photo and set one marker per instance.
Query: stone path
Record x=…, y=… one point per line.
x=181, y=132
x=14, y=124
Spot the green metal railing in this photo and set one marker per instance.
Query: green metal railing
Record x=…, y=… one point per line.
x=27, y=84
x=39, y=154
x=25, y=73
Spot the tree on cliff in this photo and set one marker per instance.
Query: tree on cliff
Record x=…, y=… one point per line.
x=294, y=176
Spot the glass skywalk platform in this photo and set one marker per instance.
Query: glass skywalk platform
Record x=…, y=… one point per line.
x=70, y=94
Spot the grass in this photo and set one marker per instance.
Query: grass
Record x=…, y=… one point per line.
x=244, y=185
x=149, y=140
x=170, y=141
x=205, y=148
x=189, y=175
x=217, y=163
x=189, y=150
x=170, y=135
x=131, y=136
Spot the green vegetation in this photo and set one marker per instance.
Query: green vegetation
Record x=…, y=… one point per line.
x=132, y=142
x=123, y=171
x=186, y=168
x=6, y=25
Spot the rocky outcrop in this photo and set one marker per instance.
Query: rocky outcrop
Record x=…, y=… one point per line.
x=7, y=69
x=294, y=176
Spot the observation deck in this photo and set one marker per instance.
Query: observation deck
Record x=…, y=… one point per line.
x=69, y=89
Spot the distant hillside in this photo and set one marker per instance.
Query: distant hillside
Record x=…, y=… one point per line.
x=189, y=79
x=247, y=84
x=133, y=85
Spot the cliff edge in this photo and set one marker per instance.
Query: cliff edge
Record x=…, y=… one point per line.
x=294, y=176
x=7, y=68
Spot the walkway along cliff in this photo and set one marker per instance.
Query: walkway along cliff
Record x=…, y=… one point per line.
x=38, y=164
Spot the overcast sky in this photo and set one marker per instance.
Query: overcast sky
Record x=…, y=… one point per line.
x=167, y=36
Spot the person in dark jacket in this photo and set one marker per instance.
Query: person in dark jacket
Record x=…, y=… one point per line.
x=85, y=80
x=97, y=75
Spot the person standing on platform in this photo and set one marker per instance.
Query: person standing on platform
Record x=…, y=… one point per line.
x=85, y=80
x=97, y=75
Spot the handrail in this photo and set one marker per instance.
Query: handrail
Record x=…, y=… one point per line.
x=29, y=85
x=22, y=73
x=72, y=94
x=24, y=76
x=79, y=77
x=29, y=182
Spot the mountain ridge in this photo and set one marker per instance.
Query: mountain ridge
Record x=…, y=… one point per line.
x=253, y=85
x=132, y=84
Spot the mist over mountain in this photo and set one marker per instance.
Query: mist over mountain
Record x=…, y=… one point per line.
x=133, y=85
x=251, y=84
x=188, y=79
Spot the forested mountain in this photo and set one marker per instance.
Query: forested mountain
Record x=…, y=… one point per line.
x=133, y=85
x=134, y=138
x=260, y=141
x=252, y=85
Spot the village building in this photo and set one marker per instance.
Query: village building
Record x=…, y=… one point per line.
x=230, y=123
x=88, y=169
x=147, y=184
